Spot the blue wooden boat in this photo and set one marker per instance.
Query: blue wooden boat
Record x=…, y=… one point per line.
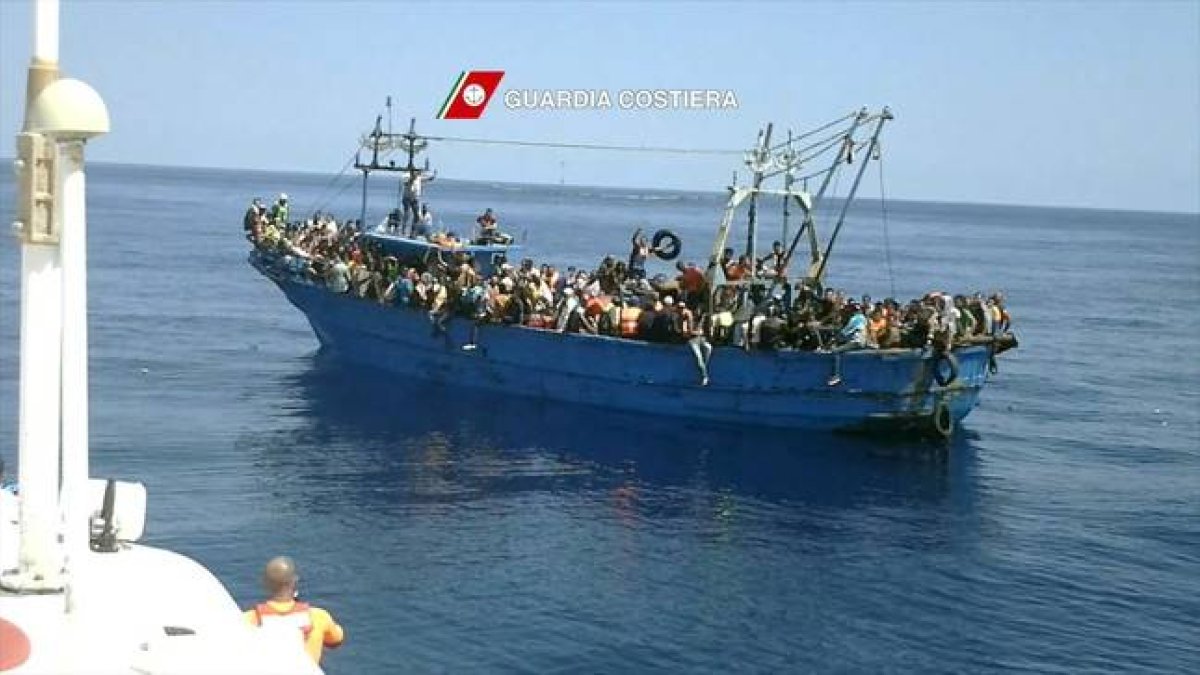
x=880, y=390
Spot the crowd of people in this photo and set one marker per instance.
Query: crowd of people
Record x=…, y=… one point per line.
x=736, y=301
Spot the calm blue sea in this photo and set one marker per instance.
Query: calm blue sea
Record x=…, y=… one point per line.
x=458, y=533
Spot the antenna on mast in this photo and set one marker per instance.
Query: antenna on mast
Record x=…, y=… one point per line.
x=758, y=162
x=789, y=178
x=410, y=139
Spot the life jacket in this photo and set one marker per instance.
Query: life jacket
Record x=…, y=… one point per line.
x=297, y=617
x=629, y=321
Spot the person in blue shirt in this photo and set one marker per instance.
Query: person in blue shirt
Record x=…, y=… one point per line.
x=853, y=335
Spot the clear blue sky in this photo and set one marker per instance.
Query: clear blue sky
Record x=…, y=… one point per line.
x=1059, y=103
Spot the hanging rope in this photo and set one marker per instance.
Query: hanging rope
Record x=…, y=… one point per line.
x=887, y=239
x=321, y=201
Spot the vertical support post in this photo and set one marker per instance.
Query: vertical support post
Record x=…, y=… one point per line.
x=70, y=209
x=39, y=567
x=789, y=178
x=40, y=563
x=761, y=155
x=362, y=211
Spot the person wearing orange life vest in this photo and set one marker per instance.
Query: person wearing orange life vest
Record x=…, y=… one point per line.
x=314, y=626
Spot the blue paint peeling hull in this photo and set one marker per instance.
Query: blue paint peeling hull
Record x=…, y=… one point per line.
x=881, y=390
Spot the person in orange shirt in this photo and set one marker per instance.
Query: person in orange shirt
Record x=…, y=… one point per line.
x=877, y=326
x=282, y=610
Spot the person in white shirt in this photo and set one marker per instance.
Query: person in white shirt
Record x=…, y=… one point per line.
x=411, y=201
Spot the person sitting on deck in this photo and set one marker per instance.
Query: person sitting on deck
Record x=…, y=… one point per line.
x=877, y=326
x=646, y=318
x=425, y=225
x=852, y=336
x=666, y=326
x=772, y=330
x=772, y=264
x=489, y=229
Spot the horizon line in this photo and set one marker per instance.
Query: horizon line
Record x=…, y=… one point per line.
x=1070, y=207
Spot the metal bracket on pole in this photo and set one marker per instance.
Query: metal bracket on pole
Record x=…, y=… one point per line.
x=36, y=156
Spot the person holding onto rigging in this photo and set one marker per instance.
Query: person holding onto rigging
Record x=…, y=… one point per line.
x=411, y=201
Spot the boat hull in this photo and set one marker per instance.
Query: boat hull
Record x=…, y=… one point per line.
x=889, y=390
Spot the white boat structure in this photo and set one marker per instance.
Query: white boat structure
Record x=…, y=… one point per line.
x=77, y=593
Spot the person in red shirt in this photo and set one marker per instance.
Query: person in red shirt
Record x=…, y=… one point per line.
x=691, y=283
x=739, y=270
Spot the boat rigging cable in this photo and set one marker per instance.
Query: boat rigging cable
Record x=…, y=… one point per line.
x=321, y=200
x=887, y=239
x=385, y=142
x=588, y=146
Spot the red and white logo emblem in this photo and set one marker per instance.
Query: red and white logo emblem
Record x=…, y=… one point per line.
x=470, y=95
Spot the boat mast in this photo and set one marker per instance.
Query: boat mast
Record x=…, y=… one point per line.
x=39, y=411
x=789, y=178
x=410, y=142
x=884, y=116
x=758, y=165
x=367, y=168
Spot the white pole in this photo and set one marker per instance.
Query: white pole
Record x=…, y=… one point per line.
x=70, y=207
x=38, y=453
x=40, y=560
x=45, y=31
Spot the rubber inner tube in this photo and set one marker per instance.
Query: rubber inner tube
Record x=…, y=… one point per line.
x=946, y=379
x=943, y=420
x=666, y=245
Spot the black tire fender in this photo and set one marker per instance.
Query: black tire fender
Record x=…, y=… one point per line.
x=666, y=245
x=942, y=419
x=949, y=360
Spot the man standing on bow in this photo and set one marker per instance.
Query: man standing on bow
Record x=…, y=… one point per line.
x=411, y=201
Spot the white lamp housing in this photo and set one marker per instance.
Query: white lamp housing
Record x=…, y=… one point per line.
x=69, y=110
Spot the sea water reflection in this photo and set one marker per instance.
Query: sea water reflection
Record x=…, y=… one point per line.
x=558, y=528
x=438, y=444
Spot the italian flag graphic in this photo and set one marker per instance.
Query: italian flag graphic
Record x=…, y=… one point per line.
x=470, y=94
